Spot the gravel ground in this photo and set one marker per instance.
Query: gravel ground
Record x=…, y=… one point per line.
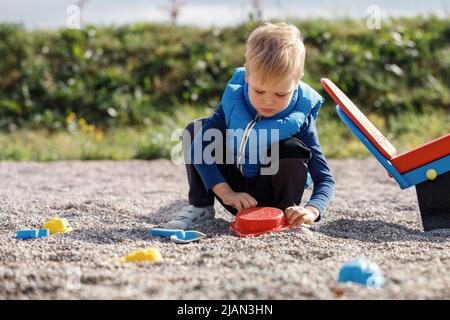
x=111, y=205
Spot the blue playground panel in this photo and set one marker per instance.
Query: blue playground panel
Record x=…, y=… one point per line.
x=419, y=175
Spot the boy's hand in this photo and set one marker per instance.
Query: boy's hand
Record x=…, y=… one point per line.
x=238, y=200
x=296, y=215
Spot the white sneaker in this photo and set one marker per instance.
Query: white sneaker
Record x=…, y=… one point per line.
x=190, y=216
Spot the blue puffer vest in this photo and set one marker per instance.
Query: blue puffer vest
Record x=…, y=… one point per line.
x=248, y=145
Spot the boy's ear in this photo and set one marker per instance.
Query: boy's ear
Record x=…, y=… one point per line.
x=246, y=77
x=301, y=77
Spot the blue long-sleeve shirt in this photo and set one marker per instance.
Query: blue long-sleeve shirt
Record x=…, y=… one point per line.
x=317, y=166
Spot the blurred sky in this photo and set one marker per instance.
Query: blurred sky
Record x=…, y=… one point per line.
x=52, y=13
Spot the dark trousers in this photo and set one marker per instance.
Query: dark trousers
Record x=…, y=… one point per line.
x=281, y=190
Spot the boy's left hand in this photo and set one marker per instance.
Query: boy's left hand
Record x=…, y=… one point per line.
x=296, y=215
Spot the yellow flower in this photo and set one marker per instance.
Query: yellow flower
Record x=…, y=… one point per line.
x=82, y=122
x=70, y=117
x=88, y=127
x=98, y=135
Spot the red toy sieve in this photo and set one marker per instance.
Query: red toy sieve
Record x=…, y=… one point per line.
x=259, y=220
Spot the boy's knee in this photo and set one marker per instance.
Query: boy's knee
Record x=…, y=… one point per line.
x=190, y=131
x=292, y=148
x=286, y=167
x=188, y=136
x=190, y=128
x=293, y=165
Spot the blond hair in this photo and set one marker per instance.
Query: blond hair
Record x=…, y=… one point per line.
x=274, y=51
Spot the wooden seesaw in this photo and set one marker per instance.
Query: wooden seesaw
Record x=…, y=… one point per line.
x=427, y=167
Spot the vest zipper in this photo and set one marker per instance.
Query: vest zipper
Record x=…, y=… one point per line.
x=241, y=152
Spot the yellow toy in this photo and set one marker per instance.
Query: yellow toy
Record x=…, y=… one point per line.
x=149, y=254
x=57, y=225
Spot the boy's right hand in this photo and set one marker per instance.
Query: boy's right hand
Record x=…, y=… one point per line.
x=238, y=200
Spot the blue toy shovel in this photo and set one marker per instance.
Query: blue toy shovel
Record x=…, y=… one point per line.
x=167, y=232
x=178, y=235
x=32, y=234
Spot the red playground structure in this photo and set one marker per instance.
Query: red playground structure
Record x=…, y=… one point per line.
x=426, y=167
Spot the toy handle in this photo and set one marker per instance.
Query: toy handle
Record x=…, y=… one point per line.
x=166, y=232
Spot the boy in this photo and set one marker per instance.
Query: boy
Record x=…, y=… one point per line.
x=266, y=95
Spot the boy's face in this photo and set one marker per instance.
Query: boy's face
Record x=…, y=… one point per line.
x=270, y=97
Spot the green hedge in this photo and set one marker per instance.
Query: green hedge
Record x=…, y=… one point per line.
x=128, y=75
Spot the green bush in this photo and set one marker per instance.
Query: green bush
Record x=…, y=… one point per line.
x=130, y=75
x=407, y=131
